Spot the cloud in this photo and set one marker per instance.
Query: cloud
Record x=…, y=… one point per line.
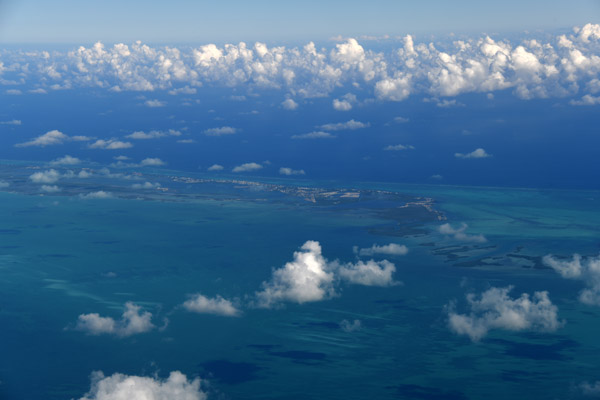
x=50, y=188
x=52, y=176
x=305, y=279
x=101, y=194
x=146, y=162
x=445, y=103
x=289, y=171
x=215, y=167
x=341, y=105
x=586, y=100
x=314, y=135
x=557, y=66
x=13, y=92
x=459, y=233
x=247, y=167
x=152, y=162
x=589, y=389
x=49, y=176
x=494, y=309
x=369, y=273
x=217, y=305
x=224, y=130
x=586, y=270
x=391, y=249
x=401, y=120
x=348, y=125
x=66, y=160
x=311, y=277
x=80, y=138
x=289, y=104
x=12, y=122
x=120, y=387
x=398, y=147
x=348, y=326
x=155, y=103
x=47, y=139
x=478, y=153
x=145, y=185
x=4, y=184
x=133, y=321
x=111, y=144
x=140, y=135
x=394, y=89
x=106, y=172
x=183, y=90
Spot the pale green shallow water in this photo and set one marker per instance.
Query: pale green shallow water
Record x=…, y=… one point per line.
x=56, y=252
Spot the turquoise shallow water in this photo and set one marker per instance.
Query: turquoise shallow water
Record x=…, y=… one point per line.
x=61, y=257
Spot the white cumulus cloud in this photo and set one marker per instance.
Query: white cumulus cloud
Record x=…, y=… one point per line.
x=348, y=326
x=155, y=103
x=391, y=249
x=586, y=270
x=589, y=389
x=133, y=321
x=215, y=167
x=11, y=122
x=111, y=144
x=348, y=125
x=398, y=147
x=477, y=153
x=47, y=139
x=247, y=167
x=223, y=130
x=394, y=89
x=100, y=194
x=145, y=185
x=459, y=233
x=586, y=100
x=311, y=277
x=127, y=387
x=314, y=135
x=494, y=309
x=205, y=305
x=141, y=135
x=341, y=105
x=49, y=176
x=66, y=160
x=289, y=104
x=289, y=171
x=152, y=162
x=302, y=280
x=368, y=273
x=50, y=188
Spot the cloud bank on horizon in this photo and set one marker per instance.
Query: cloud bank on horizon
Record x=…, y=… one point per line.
x=563, y=66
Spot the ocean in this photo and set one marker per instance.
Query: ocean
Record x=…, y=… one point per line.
x=62, y=256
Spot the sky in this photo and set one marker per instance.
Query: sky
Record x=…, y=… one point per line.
x=76, y=21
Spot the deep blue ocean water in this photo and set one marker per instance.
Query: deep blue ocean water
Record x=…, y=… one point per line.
x=62, y=256
x=542, y=143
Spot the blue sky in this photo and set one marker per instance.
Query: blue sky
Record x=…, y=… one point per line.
x=76, y=21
